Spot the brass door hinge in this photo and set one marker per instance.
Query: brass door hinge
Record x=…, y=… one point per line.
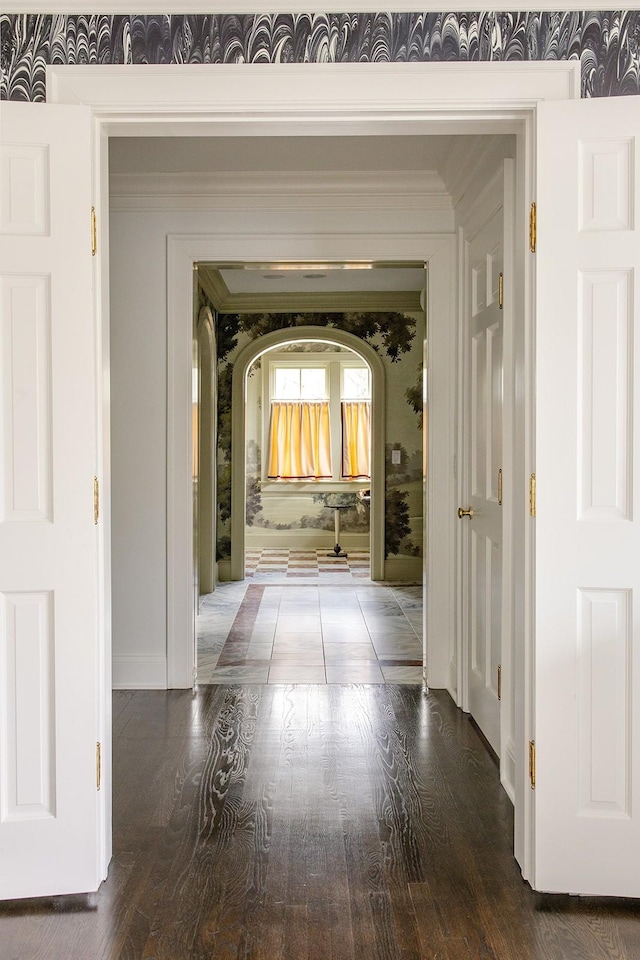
x=98, y=764
x=501, y=291
x=500, y=487
x=533, y=228
x=532, y=763
x=96, y=500
x=532, y=495
x=94, y=232
x=499, y=681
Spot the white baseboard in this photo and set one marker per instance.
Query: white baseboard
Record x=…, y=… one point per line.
x=453, y=682
x=508, y=770
x=139, y=673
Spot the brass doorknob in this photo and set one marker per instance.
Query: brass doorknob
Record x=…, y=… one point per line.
x=465, y=513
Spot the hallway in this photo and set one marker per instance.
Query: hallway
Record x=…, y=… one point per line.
x=310, y=823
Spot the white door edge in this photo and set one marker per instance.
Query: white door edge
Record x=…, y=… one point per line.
x=103, y=465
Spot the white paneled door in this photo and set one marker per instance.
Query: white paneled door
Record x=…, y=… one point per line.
x=482, y=511
x=49, y=803
x=587, y=650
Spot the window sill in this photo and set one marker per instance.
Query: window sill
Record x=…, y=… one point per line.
x=313, y=486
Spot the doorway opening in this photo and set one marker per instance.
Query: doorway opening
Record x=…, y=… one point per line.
x=364, y=365
x=437, y=206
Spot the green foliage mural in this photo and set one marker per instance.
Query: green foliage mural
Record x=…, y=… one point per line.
x=254, y=500
x=396, y=521
x=390, y=334
x=413, y=397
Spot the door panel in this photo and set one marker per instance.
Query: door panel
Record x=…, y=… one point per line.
x=49, y=804
x=484, y=396
x=587, y=528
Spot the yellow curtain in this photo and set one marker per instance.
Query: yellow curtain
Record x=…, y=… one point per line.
x=356, y=439
x=300, y=440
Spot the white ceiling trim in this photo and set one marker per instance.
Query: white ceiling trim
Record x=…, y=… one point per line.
x=364, y=301
x=467, y=159
x=397, y=190
x=288, y=6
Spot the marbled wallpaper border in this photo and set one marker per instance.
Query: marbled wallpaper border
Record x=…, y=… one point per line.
x=607, y=43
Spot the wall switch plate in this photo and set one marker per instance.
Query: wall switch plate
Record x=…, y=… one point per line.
x=395, y=456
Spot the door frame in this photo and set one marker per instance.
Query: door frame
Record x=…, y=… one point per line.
x=322, y=99
x=183, y=251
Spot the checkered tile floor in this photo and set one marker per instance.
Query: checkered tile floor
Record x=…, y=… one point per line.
x=297, y=564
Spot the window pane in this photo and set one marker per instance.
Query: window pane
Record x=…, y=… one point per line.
x=287, y=383
x=355, y=383
x=313, y=383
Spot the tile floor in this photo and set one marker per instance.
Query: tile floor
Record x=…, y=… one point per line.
x=310, y=631
x=302, y=564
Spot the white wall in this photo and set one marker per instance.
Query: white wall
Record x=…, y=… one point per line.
x=141, y=219
x=138, y=451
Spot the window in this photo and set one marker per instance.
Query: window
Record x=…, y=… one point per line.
x=318, y=418
x=300, y=383
x=356, y=423
x=356, y=383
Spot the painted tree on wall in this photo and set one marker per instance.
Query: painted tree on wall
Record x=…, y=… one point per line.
x=390, y=334
x=413, y=396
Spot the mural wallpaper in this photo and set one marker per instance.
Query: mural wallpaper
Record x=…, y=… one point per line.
x=398, y=338
x=607, y=43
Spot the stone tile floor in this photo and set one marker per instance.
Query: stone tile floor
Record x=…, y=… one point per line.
x=310, y=631
x=277, y=563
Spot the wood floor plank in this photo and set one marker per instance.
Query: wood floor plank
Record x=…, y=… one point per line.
x=310, y=823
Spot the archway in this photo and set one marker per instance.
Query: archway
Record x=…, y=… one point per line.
x=245, y=359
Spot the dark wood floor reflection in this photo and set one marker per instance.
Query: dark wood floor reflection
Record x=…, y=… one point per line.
x=327, y=822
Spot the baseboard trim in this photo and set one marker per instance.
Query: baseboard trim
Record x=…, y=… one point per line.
x=139, y=673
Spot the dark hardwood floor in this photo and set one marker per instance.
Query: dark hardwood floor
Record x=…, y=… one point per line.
x=322, y=822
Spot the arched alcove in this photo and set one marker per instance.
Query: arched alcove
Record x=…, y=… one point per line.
x=245, y=358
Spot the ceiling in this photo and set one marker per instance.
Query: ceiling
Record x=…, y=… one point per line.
x=252, y=288
x=275, y=154
x=277, y=288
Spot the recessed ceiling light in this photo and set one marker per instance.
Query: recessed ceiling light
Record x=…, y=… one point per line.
x=272, y=276
x=314, y=276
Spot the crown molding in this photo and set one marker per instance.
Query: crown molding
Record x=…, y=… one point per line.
x=370, y=301
x=211, y=281
x=397, y=190
x=466, y=162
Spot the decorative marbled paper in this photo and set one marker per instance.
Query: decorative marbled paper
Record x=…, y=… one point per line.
x=606, y=43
